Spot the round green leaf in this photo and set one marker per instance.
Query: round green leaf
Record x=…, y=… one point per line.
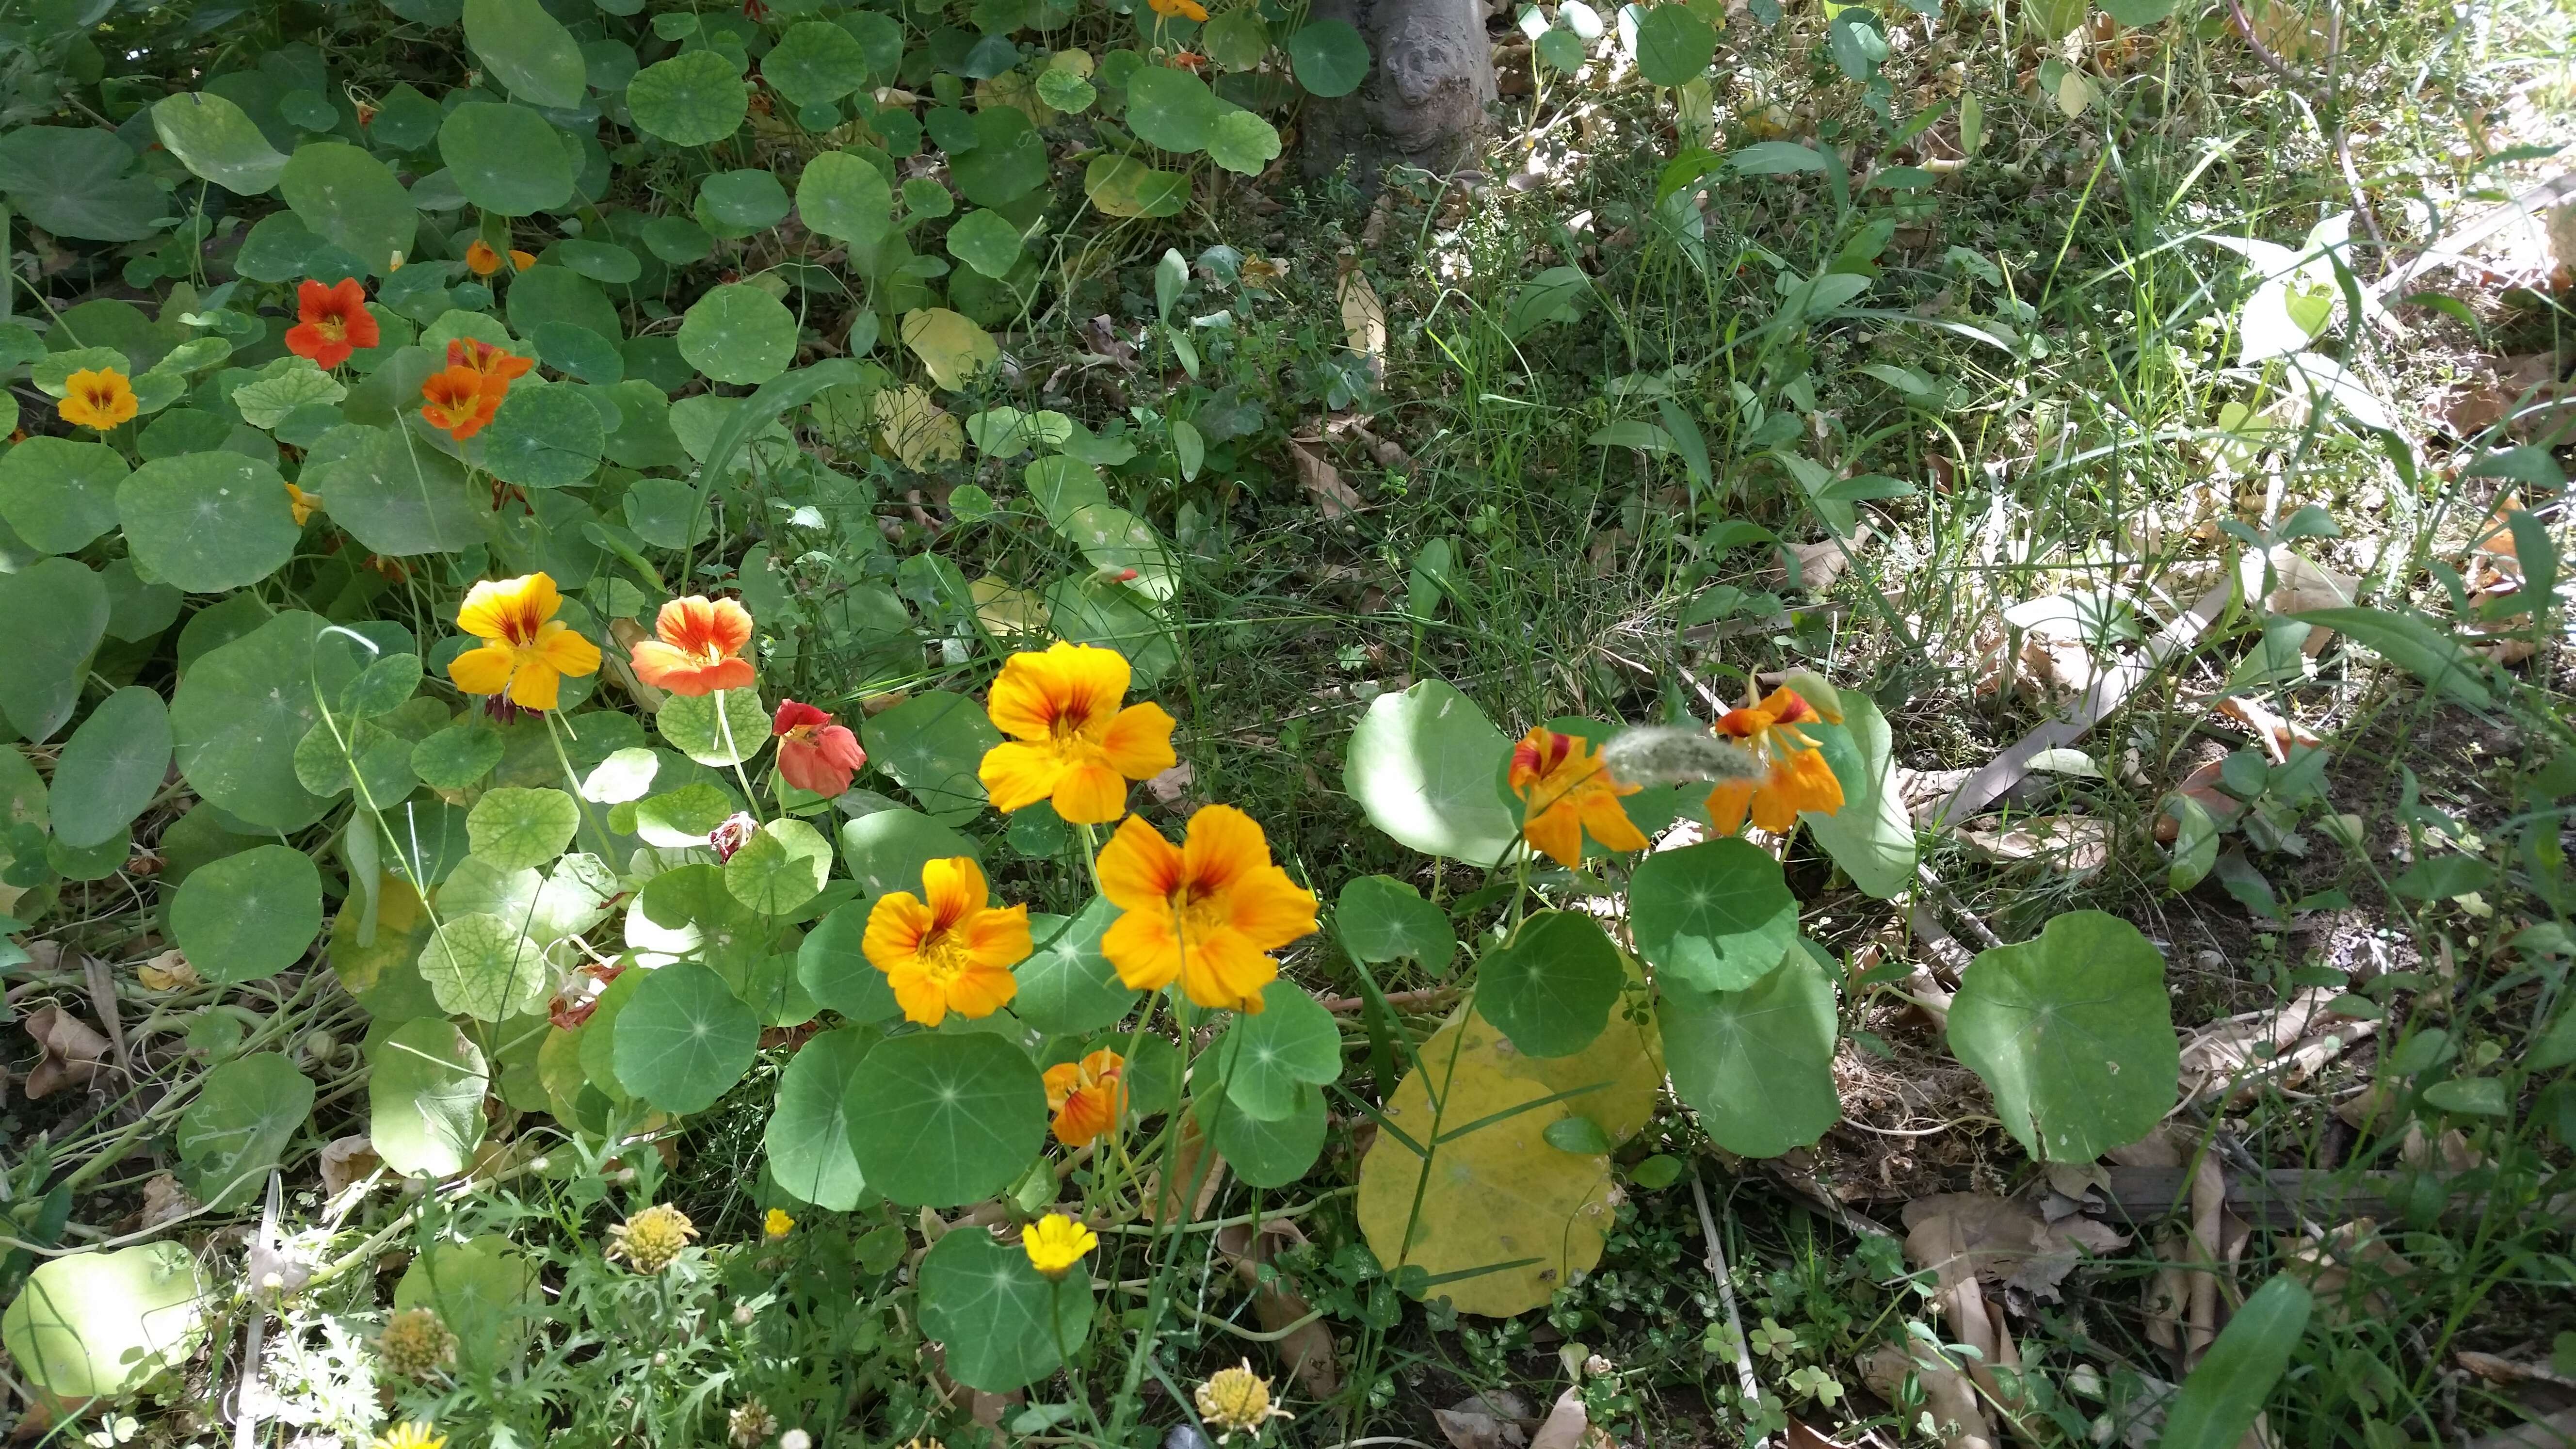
x=544, y=294
x=1756, y=1064
x=425, y=1092
x=687, y=912
x=235, y=712
x=457, y=756
x=599, y=261
x=247, y=917
x=693, y=99
x=684, y=1038
x=485, y=1291
x=527, y=50
x=1243, y=142
x=58, y=611
x=1271, y=1153
x=2073, y=1032
x=845, y=198
x=1380, y=919
x=749, y=200
x=808, y=1136
x=112, y=767
x=351, y=200
x=933, y=744
x=1125, y=186
x=543, y=436
x=1674, y=45
x=217, y=140
x=720, y=730
x=986, y=241
x=833, y=967
x=1422, y=764
x=1064, y=91
x=1009, y=160
x=815, y=63
x=58, y=494
x=1872, y=836
x=780, y=868
x=478, y=965
x=515, y=829
x=1269, y=1057
x=506, y=159
x=886, y=849
x=1002, y=1323
x=1329, y=57
x=236, y=1132
x=1579, y=1135
x=73, y=181
x=1068, y=986
x=208, y=522
x=940, y=1121
x=738, y=333
x=1172, y=109
x=1112, y=538
x=1717, y=916
x=96, y=1324
x=1550, y=988
x=393, y=492
x=1236, y=40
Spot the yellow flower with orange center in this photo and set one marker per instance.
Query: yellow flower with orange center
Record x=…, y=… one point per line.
x=1070, y=741
x=1206, y=913
x=1086, y=1096
x=951, y=952
x=1566, y=790
x=1795, y=774
x=97, y=399
x=527, y=650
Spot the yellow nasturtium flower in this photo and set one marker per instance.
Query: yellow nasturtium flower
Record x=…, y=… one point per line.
x=950, y=952
x=1566, y=790
x=1070, y=740
x=776, y=1224
x=527, y=650
x=1055, y=1243
x=1795, y=775
x=1206, y=913
x=98, y=399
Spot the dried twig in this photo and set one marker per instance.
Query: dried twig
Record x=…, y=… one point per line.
x=1726, y=1294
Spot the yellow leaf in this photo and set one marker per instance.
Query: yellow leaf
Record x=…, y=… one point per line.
x=917, y=430
x=1364, y=318
x=2074, y=93
x=1008, y=611
x=1619, y=1076
x=954, y=349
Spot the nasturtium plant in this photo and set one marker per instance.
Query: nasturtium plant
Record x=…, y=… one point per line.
x=2073, y=1032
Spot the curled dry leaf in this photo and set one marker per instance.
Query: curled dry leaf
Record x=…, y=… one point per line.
x=1486, y=1421
x=1816, y=567
x=2004, y=1242
x=1172, y=786
x=168, y=971
x=164, y=1201
x=1569, y=1426
x=2074, y=845
x=1307, y=1353
x=2278, y=736
x=2280, y=1046
x=1363, y=318
x=74, y=1052
x=346, y=1162
x=2183, y=1298
x=2345, y=1266
x=1322, y=479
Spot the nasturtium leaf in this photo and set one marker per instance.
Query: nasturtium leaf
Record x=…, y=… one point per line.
x=383, y=686
x=527, y=50
x=687, y=912
x=73, y=181
x=721, y=730
x=457, y=756
x=112, y=767
x=393, y=492
x=1172, y=109
x=425, y=1091
x=1084, y=610
x=2073, y=1032
x=845, y=198
x=1236, y=39
x=1674, y=45
x=235, y=714
x=1267, y=1057
x=383, y=971
x=59, y=494
x=544, y=294
x=217, y=140
x=1756, y=1064
x=1115, y=540
x=543, y=436
x=1716, y=916
x=695, y=98
x=58, y=612
x=987, y=241
x=93, y=1325
x=506, y=159
x=625, y=775
x=515, y=829
x=684, y=1038
x=1068, y=987
x=1241, y=141
x=738, y=333
x=1272, y=1152
x=1126, y=187
x=933, y=744
x=1064, y=91
x=1422, y=765
x=1498, y=1218
x=953, y=349
x=1551, y=986
x=236, y=1132
x=485, y=1291
x=683, y=818
x=939, y=1120
x=1872, y=836
x=780, y=868
x=833, y=967
x=351, y=200
x=208, y=522
x=599, y=261
x=1382, y=919
x=478, y=965
x=815, y=63
x=247, y=917
x=748, y=200
x=808, y=1136
x=1329, y=57
x=1009, y=160
x=284, y=386
x=1002, y=1324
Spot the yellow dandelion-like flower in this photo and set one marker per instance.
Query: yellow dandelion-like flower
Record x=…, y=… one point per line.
x=418, y=1434
x=415, y=1343
x=777, y=1224
x=1055, y=1243
x=650, y=1239
x=1237, y=1401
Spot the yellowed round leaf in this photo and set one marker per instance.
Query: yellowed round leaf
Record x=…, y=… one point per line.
x=953, y=348
x=918, y=430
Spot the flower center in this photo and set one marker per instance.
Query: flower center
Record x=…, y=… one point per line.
x=943, y=956
x=1197, y=911
x=332, y=329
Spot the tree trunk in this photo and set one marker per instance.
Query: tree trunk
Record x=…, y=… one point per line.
x=1425, y=97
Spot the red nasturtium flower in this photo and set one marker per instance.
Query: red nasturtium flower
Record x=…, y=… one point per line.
x=1796, y=776
x=814, y=753
x=331, y=322
x=1086, y=1096
x=700, y=648
x=1566, y=790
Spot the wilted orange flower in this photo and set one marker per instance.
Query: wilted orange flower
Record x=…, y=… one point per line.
x=700, y=648
x=527, y=650
x=458, y=401
x=1797, y=776
x=304, y=504
x=1070, y=741
x=1087, y=1096
x=482, y=261
x=815, y=754
x=1565, y=790
x=1206, y=913
x=97, y=398
x=1180, y=9
x=952, y=952
x=331, y=322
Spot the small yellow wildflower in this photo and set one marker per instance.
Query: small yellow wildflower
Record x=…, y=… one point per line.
x=1237, y=1401
x=1055, y=1243
x=777, y=1224
x=650, y=1239
x=418, y=1434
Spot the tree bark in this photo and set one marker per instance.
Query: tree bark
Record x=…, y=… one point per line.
x=1424, y=101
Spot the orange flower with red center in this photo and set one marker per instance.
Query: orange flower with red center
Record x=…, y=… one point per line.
x=1206, y=913
x=1070, y=741
x=1087, y=1097
x=1795, y=774
x=526, y=650
x=458, y=401
x=950, y=952
x=331, y=322
x=485, y=358
x=98, y=399
x=483, y=261
x=1566, y=790
x=700, y=648
x=815, y=754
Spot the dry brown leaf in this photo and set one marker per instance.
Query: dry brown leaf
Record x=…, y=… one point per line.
x=2277, y=735
x=1568, y=1425
x=1363, y=318
x=2075, y=845
x=2283, y=1046
x=164, y=1201
x=1486, y=1421
x=1193, y=1150
x=74, y=1052
x=2342, y=1267
x=1817, y=566
x=2004, y=1242
x=1947, y=1393
x=168, y=971
x=1322, y=479
x=346, y=1162
x=1307, y=1353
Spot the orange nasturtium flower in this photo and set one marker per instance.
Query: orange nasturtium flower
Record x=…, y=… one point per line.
x=527, y=650
x=98, y=399
x=951, y=952
x=1566, y=790
x=1180, y=9
x=483, y=261
x=1205, y=913
x=458, y=401
x=1070, y=741
x=1087, y=1096
x=304, y=505
x=700, y=648
x=1795, y=777
x=491, y=361
x=815, y=754
x=331, y=323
